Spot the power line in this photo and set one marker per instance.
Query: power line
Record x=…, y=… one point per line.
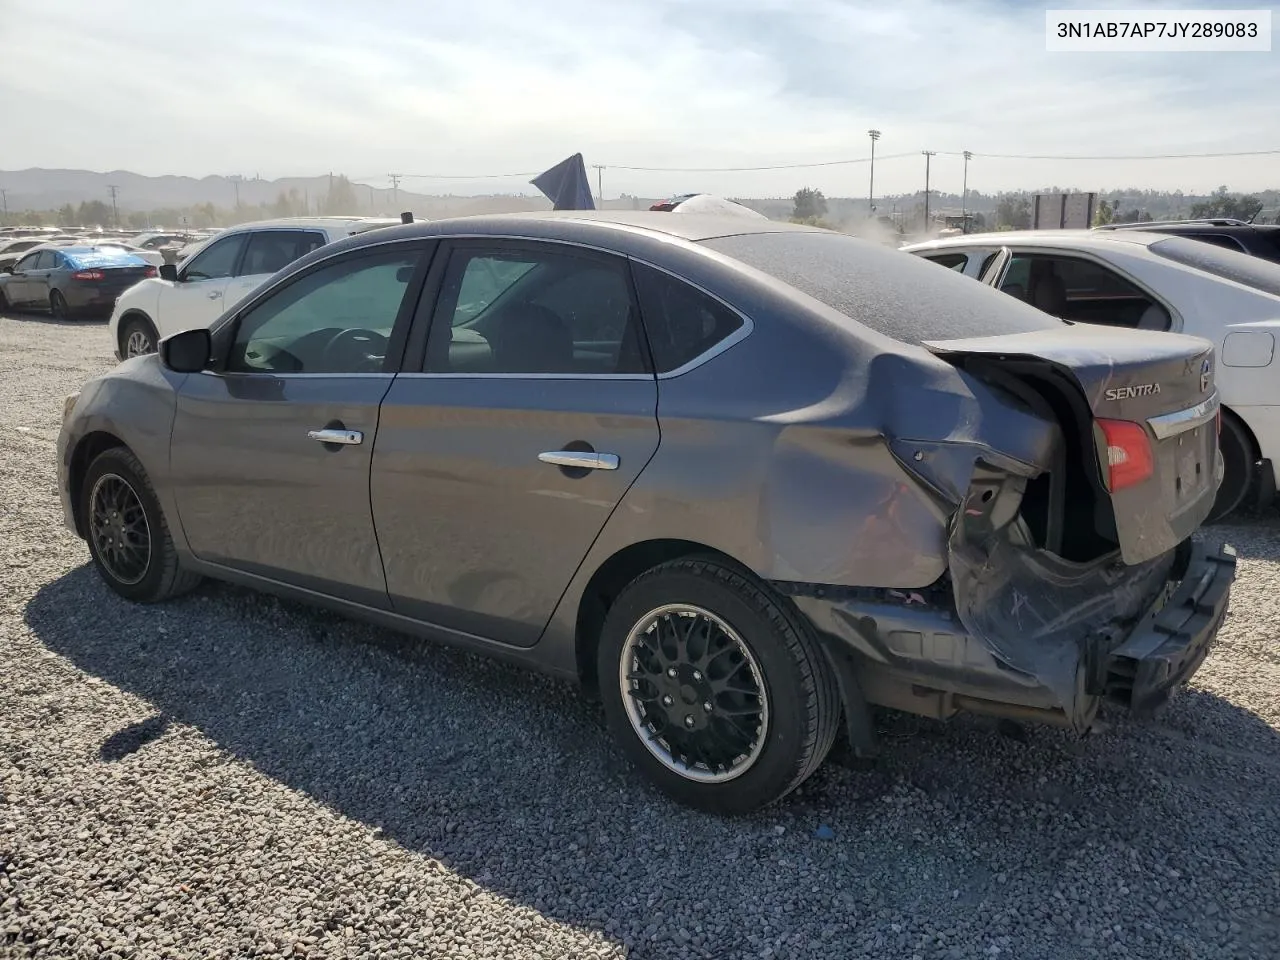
x=1150, y=156
x=846, y=162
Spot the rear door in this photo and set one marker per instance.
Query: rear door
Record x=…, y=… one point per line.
x=196, y=298
x=504, y=449
x=270, y=453
x=267, y=252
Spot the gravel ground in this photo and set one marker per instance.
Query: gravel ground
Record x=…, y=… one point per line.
x=230, y=776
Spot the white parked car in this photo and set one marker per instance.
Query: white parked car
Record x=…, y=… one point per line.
x=1158, y=282
x=218, y=274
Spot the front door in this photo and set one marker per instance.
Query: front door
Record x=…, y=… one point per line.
x=498, y=464
x=270, y=453
x=196, y=298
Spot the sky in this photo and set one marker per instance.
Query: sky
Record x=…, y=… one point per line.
x=483, y=88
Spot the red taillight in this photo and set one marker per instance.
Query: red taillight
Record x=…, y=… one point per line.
x=88, y=275
x=151, y=272
x=1129, y=459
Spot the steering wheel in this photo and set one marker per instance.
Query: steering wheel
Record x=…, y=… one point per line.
x=365, y=349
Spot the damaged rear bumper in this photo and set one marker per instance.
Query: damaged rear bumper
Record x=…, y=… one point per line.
x=910, y=651
x=1173, y=639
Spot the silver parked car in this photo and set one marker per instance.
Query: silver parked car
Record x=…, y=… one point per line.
x=740, y=479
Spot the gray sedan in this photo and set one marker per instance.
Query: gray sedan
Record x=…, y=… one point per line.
x=742, y=480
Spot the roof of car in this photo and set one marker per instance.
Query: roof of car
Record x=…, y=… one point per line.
x=1041, y=238
x=325, y=222
x=692, y=227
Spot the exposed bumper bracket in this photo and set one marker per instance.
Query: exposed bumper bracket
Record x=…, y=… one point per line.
x=1173, y=640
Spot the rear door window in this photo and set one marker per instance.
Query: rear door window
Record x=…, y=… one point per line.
x=1081, y=290
x=527, y=309
x=273, y=250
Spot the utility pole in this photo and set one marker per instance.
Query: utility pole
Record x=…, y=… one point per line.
x=4, y=195
x=964, y=192
x=395, y=188
x=928, y=155
x=115, y=211
x=599, y=184
x=871, y=188
x=372, y=206
x=235, y=182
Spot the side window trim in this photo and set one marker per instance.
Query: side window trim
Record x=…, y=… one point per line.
x=224, y=333
x=428, y=313
x=716, y=348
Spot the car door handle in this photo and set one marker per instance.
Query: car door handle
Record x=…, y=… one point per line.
x=214, y=294
x=581, y=460
x=336, y=436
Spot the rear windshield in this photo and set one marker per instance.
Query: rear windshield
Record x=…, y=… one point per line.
x=1229, y=264
x=895, y=294
x=104, y=257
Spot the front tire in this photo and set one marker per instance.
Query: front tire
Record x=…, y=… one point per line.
x=1237, y=469
x=127, y=533
x=715, y=688
x=137, y=338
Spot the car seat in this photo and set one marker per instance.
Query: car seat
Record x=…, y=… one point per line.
x=1155, y=317
x=532, y=339
x=1046, y=291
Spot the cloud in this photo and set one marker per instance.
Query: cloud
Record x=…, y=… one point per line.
x=495, y=86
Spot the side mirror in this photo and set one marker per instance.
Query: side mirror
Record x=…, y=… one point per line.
x=169, y=271
x=188, y=351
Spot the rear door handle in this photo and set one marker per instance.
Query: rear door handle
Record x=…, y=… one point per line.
x=336, y=436
x=581, y=460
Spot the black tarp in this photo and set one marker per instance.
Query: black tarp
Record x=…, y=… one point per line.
x=566, y=185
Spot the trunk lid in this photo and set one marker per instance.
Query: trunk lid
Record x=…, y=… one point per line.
x=1121, y=386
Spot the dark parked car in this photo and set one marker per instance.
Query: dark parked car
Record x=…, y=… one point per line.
x=1258, y=239
x=739, y=478
x=72, y=281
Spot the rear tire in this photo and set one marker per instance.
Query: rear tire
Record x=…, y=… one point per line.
x=4, y=303
x=127, y=533
x=137, y=338
x=58, y=306
x=681, y=652
x=1237, y=472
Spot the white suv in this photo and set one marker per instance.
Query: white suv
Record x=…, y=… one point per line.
x=217, y=275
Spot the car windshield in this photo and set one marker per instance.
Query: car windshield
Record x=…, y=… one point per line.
x=1228, y=264
x=895, y=294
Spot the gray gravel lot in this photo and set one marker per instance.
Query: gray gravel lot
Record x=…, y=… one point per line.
x=231, y=776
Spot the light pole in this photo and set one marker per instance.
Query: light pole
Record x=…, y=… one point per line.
x=871, y=188
x=928, y=154
x=964, y=193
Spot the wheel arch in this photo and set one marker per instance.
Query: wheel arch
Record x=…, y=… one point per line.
x=85, y=452
x=609, y=580
x=1255, y=447
x=122, y=325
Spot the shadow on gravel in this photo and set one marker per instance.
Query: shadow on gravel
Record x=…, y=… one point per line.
x=512, y=781
x=132, y=738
